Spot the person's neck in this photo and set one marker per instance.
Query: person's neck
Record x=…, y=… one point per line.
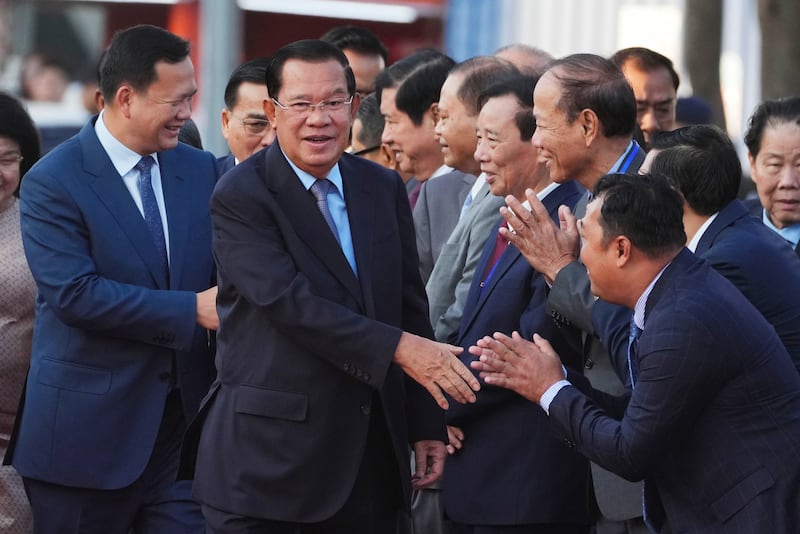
x=427, y=166
x=692, y=222
x=607, y=151
x=643, y=273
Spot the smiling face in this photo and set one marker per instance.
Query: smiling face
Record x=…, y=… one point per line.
x=313, y=140
x=415, y=148
x=598, y=256
x=157, y=113
x=560, y=143
x=776, y=173
x=504, y=157
x=456, y=128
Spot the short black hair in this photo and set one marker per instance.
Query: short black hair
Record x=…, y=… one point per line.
x=645, y=208
x=646, y=60
x=358, y=39
x=372, y=121
x=479, y=73
x=309, y=50
x=16, y=124
x=132, y=55
x=252, y=71
x=589, y=81
x=770, y=113
x=418, y=79
x=521, y=87
x=703, y=162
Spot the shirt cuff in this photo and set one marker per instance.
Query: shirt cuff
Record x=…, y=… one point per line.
x=550, y=394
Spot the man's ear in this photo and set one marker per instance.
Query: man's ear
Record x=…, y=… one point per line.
x=123, y=99
x=225, y=122
x=434, y=111
x=622, y=249
x=590, y=126
x=269, y=110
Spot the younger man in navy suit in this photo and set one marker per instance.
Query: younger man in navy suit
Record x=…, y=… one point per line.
x=711, y=422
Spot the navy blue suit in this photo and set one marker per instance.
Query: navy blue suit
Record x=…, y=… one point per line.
x=512, y=470
x=108, y=323
x=305, y=347
x=757, y=211
x=761, y=265
x=225, y=163
x=712, y=422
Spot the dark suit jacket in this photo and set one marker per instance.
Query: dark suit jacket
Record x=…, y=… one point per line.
x=761, y=265
x=108, y=323
x=512, y=470
x=757, y=211
x=436, y=214
x=712, y=424
x=304, y=345
x=225, y=163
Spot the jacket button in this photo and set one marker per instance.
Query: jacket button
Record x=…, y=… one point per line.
x=366, y=409
x=589, y=363
x=366, y=377
x=569, y=443
x=347, y=367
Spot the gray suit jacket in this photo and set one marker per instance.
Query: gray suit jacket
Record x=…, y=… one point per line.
x=570, y=303
x=436, y=214
x=448, y=286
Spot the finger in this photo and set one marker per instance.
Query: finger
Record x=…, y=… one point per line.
x=466, y=376
x=457, y=388
x=544, y=345
x=436, y=392
x=453, y=349
x=538, y=211
x=457, y=432
x=567, y=220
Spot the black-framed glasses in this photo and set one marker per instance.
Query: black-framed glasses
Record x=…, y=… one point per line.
x=252, y=125
x=306, y=108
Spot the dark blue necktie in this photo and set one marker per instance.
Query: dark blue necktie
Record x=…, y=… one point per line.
x=152, y=216
x=320, y=189
x=633, y=351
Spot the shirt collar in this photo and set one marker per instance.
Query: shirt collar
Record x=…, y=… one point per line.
x=790, y=233
x=617, y=164
x=641, y=304
x=334, y=175
x=123, y=158
x=444, y=169
x=540, y=195
x=700, y=231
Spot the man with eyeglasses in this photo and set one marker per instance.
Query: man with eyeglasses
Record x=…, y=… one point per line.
x=244, y=125
x=324, y=350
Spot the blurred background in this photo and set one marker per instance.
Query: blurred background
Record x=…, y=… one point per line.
x=732, y=53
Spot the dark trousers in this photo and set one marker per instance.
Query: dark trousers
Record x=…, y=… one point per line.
x=373, y=506
x=154, y=504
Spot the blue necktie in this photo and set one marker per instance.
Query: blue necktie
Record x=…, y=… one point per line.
x=465, y=206
x=152, y=216
x=633, y=351
x=320, y=189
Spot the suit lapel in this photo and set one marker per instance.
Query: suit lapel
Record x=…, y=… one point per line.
x=307, y=221
x=734, y=211
x=176, y=195
x=361, y=214
x=107, y=184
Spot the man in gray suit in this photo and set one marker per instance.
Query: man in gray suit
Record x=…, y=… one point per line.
x=451, y=277
x=585, y=112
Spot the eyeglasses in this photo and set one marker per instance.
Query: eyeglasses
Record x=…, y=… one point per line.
x=253, y=126
x=10, y=162
x=366, y=150
x=306, y=108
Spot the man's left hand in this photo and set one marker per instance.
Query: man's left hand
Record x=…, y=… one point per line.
x=514, y=363
x=429, y=456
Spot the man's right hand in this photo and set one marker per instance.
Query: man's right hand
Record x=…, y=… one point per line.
x=436, y=367
x=207, y=309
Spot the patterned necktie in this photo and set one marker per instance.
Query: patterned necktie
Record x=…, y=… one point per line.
x=152, y=216
x=633, y=351
x=320, y=189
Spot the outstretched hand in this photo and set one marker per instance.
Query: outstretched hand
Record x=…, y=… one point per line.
x=547, y=248
x=514, y=363
x=437, y=368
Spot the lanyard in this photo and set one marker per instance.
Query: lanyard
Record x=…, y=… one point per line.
x=629, y=158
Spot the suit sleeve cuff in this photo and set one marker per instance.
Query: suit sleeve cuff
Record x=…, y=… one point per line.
x=551, y=392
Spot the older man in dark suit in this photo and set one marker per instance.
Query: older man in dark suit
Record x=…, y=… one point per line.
x=711, y=422
x=323, y=327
